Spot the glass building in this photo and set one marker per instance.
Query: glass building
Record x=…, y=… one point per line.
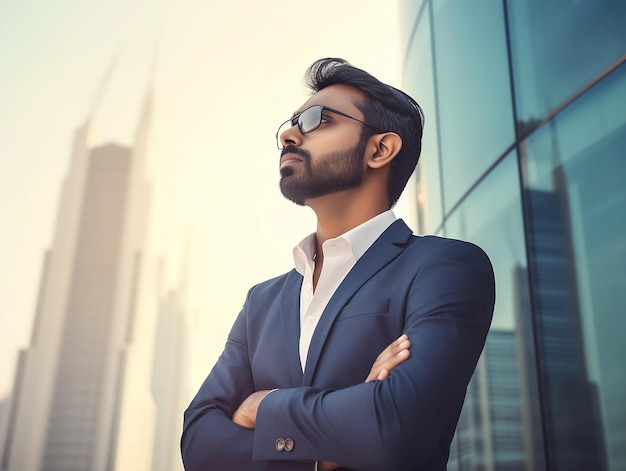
x=525, y=154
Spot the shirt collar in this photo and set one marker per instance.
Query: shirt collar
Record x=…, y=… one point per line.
x=359, y=239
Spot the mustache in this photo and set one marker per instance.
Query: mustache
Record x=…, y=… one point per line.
x=291, y=149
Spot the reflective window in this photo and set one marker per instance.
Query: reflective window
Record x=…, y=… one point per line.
x=473, y=91
x=500, y=424
x=558, y=47
x=574, y=171
x=408, y=14
x=418, y=83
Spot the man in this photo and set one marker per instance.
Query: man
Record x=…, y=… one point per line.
x=360, y=357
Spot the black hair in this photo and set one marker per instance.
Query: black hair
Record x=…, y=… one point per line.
x=384, y=107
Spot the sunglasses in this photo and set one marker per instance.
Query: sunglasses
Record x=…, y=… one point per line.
x=311, y=119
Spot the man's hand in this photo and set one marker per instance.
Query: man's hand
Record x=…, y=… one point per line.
x=389, y=358
x=245, y=415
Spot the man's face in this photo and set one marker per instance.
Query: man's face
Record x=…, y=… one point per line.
x=328, y=159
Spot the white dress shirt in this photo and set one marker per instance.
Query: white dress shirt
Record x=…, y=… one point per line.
x=340, y=255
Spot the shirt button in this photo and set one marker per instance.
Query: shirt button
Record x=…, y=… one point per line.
x=309, y=319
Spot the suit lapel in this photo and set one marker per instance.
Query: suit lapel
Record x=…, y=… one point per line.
x=290, y=320
x=388, y=246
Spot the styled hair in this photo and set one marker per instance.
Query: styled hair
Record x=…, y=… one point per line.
x=384, y=107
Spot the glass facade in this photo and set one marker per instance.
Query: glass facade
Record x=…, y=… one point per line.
x=524, y=155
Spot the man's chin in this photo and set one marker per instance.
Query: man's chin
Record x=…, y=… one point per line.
x=294, y=198
x=291, y=190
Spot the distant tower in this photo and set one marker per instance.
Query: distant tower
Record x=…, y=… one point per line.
x=170, y=378
x=70, y=382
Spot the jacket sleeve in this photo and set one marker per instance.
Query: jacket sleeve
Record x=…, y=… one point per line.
x=396, y=424
x=210, y=439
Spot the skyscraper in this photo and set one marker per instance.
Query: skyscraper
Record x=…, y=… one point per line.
x=71, y=381
x=170, y=379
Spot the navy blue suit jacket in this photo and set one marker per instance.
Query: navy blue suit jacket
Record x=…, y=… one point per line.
x=438, y=291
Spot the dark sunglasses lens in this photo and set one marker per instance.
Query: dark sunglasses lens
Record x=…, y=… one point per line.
x=310, y=119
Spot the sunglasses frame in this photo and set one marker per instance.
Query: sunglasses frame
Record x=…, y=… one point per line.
x=295, y=120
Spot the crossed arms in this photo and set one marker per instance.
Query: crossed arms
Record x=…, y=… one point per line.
x=404, y=421
x=395, y=353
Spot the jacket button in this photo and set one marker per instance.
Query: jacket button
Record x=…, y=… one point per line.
x=289, y=444
x=280, y=444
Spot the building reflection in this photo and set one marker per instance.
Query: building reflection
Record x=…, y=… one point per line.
x=571, y=400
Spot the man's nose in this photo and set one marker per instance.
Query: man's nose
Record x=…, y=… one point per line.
x=291, y=137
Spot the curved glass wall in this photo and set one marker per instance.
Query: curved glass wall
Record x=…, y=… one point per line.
x=576, y=196
x=475, y=120
x=559, y=47
x=525, y=157
x=420, y=85
x=499, y=424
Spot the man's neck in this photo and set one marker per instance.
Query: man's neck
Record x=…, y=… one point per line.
x=339, y=212
x=338, y=220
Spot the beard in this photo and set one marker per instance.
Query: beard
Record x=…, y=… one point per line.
x=334, y=172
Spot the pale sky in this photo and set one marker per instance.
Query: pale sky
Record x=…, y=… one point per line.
x=226, y=74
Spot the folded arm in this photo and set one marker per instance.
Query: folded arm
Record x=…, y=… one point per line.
x=387, y=360
x=395, y=353
x=397, y=423
x=390, y=424
x=222, y=443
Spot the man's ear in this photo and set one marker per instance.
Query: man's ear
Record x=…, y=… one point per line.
x=384, y=148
